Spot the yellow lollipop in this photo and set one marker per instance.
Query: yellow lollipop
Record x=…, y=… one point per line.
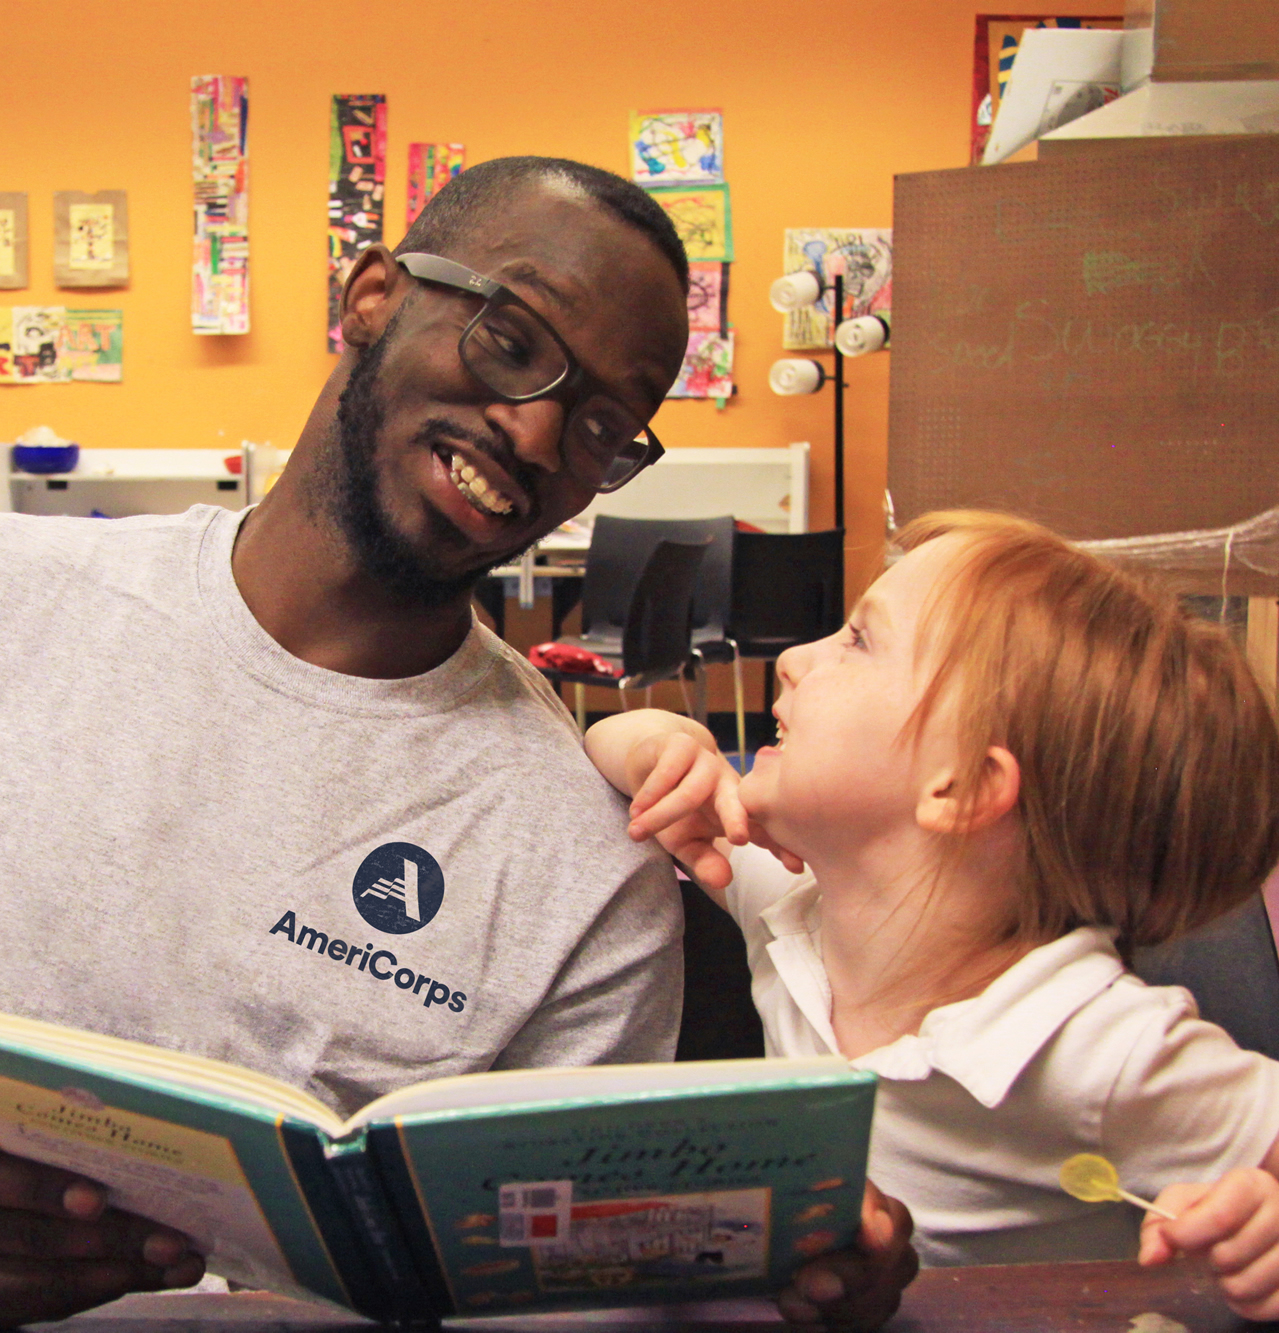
x=1094, y=1180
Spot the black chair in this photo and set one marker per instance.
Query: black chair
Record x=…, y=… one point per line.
x=650, y=641
x=1231, y=969
x=787, y=589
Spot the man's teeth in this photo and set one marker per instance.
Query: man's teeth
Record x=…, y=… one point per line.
x=477, y=490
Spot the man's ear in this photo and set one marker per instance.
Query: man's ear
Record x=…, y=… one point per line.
x=940, y=811
x=373, y=290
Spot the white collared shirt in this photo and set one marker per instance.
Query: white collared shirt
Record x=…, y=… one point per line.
x=1065, y=1052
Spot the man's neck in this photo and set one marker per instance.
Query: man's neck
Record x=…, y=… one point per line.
x=304, y=588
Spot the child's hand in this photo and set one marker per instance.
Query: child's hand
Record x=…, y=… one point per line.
x=686, y=797
x=684, y=792
x=1235, y=1223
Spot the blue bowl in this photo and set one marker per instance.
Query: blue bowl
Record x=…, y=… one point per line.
x=46, y=457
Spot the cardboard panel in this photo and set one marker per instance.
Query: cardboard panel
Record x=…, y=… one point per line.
x=1216, y=39
x=1091, y=340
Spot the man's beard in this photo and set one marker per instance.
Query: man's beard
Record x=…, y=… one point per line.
x=405, y=574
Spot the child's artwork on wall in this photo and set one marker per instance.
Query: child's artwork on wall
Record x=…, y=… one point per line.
x=431, y=167
x=677, y=147
x=220, y=169
x=703, y=218
x=7, y=369
x=35, y=333
x=50, y=344
x=357, y=190
x=864, y=256
x=995, y=47
x=707, y=371
x=13, y=240
x=707, y=297
x=90, y=238
x=91, y=346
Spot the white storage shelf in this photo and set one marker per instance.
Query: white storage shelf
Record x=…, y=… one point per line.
x=121, y=482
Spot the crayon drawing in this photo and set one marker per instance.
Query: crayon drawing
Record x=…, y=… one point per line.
x=220, y=171
x=92, y=243
x=37, y=331
x=707, y=297
x=677, y=147
x=91, y=345
x=431, y=167
x=357, y=190
x=865, y=259
x=703, y=218
x=707, y=371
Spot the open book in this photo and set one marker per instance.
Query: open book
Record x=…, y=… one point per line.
x=539, y=1189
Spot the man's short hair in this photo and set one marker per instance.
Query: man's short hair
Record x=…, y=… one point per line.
x=483, y=189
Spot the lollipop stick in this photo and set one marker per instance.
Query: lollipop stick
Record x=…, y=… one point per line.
x=1149, y=1207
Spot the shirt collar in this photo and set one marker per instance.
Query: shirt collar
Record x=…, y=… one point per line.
x=983, y=1043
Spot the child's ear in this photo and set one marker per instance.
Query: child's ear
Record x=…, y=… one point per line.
x=940, y=811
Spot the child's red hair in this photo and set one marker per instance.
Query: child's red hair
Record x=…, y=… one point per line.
x=1149, y=756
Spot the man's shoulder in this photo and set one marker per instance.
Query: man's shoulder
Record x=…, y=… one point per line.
x=37, y=541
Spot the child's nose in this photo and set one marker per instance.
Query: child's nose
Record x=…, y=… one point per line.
x=792, y=664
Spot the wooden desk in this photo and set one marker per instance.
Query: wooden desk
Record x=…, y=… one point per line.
x=1033, y=1298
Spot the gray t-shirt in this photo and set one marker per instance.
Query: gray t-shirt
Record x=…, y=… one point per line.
x=352, y=884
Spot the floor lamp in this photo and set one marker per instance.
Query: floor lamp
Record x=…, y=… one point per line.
x=799, y=375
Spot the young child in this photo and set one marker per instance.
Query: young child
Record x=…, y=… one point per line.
x=1013, y=765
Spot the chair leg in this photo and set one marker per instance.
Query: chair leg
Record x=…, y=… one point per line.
x=688, y=703
x=648, y=696
x=699, y=709
x=579, y=706
x=621, y=694
x=739, y=698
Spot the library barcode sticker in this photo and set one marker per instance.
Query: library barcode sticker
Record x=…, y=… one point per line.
x=535, y=1212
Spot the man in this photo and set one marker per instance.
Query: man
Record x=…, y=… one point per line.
x=234, y=744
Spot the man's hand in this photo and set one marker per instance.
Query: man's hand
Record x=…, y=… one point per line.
x=63, y=1250
x=1235, y=1223
x=859, y=1288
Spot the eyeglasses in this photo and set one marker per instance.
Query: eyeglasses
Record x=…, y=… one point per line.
x=516, y=354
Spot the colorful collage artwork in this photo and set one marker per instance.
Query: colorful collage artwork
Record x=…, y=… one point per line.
x=431, y=167
x=677, y=147
x=865, y=258
x=52, y=345
x=357, y=190
x=220, y=169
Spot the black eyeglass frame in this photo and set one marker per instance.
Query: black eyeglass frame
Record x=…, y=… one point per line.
x=576, y=380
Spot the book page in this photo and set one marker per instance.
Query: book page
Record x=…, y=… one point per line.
x=515, y=1087
x=154, y=1064
x=182, y=1177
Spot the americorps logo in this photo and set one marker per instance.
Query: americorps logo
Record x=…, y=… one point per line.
x=398, y=888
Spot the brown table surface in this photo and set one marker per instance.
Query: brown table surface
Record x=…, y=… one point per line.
x=1045, y=1298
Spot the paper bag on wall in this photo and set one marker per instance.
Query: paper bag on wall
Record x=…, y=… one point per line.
x=90, y=238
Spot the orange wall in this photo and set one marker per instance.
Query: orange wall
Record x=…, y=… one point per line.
x=821, y=107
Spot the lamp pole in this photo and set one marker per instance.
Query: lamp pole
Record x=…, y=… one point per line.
x=837, y=313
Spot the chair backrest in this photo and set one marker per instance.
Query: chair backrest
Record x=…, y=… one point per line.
x=619, y=549
x=788, y=588
x=1231, y=968
x=656, y=638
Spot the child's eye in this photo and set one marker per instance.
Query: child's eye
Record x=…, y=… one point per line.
x=855, y=637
